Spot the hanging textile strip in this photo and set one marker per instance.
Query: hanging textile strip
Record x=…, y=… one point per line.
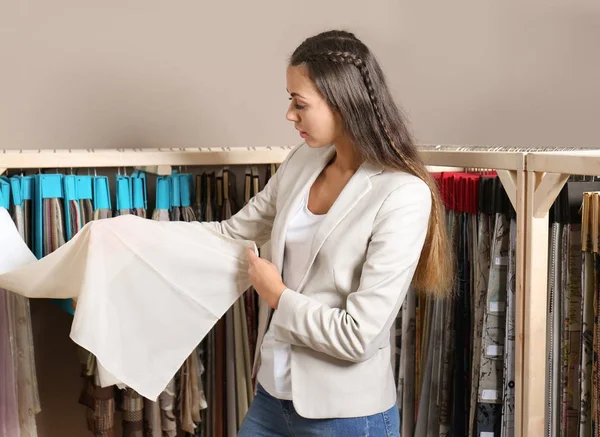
x=587, y=319
x=244, y=392
x=9, y=403
x=19, y=317
x=448, y=345
x=407, y=364
x=571, y=309
x=508, y=406
x=594, y=225
x=221, y=374
x=489, y=408
x=461, y=377
x=230, y=342
x=553, y=328
x=481, y=269
x=214, y=348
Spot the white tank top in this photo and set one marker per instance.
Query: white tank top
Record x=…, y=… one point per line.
x=274, y=372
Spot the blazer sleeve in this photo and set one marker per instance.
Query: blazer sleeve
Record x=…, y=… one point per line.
x=254, y=221
x=358, y=331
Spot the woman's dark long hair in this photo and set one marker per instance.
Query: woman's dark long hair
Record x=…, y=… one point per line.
x=350, y=79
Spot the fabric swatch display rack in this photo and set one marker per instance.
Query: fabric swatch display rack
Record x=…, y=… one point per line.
x=522, y=172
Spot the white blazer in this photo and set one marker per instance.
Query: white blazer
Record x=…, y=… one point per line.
x=363, y=257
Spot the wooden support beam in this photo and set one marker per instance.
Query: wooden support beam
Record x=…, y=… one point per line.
x=2, y=170
x=547, y=191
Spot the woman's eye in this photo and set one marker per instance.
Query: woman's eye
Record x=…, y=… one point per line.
x=298, y=107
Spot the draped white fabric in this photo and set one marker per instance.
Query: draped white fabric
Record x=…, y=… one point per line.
x=147, y=291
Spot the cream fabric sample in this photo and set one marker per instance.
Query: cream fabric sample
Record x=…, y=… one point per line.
x=148, y=292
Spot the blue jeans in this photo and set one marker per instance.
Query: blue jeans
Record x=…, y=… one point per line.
x=271, y=417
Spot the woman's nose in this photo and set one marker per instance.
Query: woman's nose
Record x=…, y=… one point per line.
x=291, y=115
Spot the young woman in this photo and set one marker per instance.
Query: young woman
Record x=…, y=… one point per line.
x=354, y=219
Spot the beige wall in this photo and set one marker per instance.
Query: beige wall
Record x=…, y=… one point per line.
x=148, y=74
x=191, y=73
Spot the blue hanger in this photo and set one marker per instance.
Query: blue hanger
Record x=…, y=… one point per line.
x=85, y=189
x=21, y=189
x=16, y=190
x=163, y=192
x=139, y=188
x=4, y=192
x=124, y=194
x=101, y=193
x=175, y=191
x=186, y=185
x=27, y=184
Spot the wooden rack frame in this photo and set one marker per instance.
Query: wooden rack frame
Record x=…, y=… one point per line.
x=532, y=181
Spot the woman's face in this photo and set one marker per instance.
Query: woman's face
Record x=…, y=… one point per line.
x=314, y=119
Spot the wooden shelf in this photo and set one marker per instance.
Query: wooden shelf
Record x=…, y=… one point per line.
x=584, y=162
x=61, y=158
x=72, y=158
x=475, y=159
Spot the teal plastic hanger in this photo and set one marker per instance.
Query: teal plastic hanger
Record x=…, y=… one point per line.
x=27, y=184
x=85, y=188
x=101, y=193
x=175, y=191
x=139, y=189
x=4, y=192
x=186, y=187
x=16, y=190
x=163, y=192
x=124, y=192
x=21, y=189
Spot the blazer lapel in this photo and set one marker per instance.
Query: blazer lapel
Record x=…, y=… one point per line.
x=313, y=170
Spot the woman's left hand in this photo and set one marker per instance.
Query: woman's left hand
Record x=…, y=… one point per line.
x=265, y=279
